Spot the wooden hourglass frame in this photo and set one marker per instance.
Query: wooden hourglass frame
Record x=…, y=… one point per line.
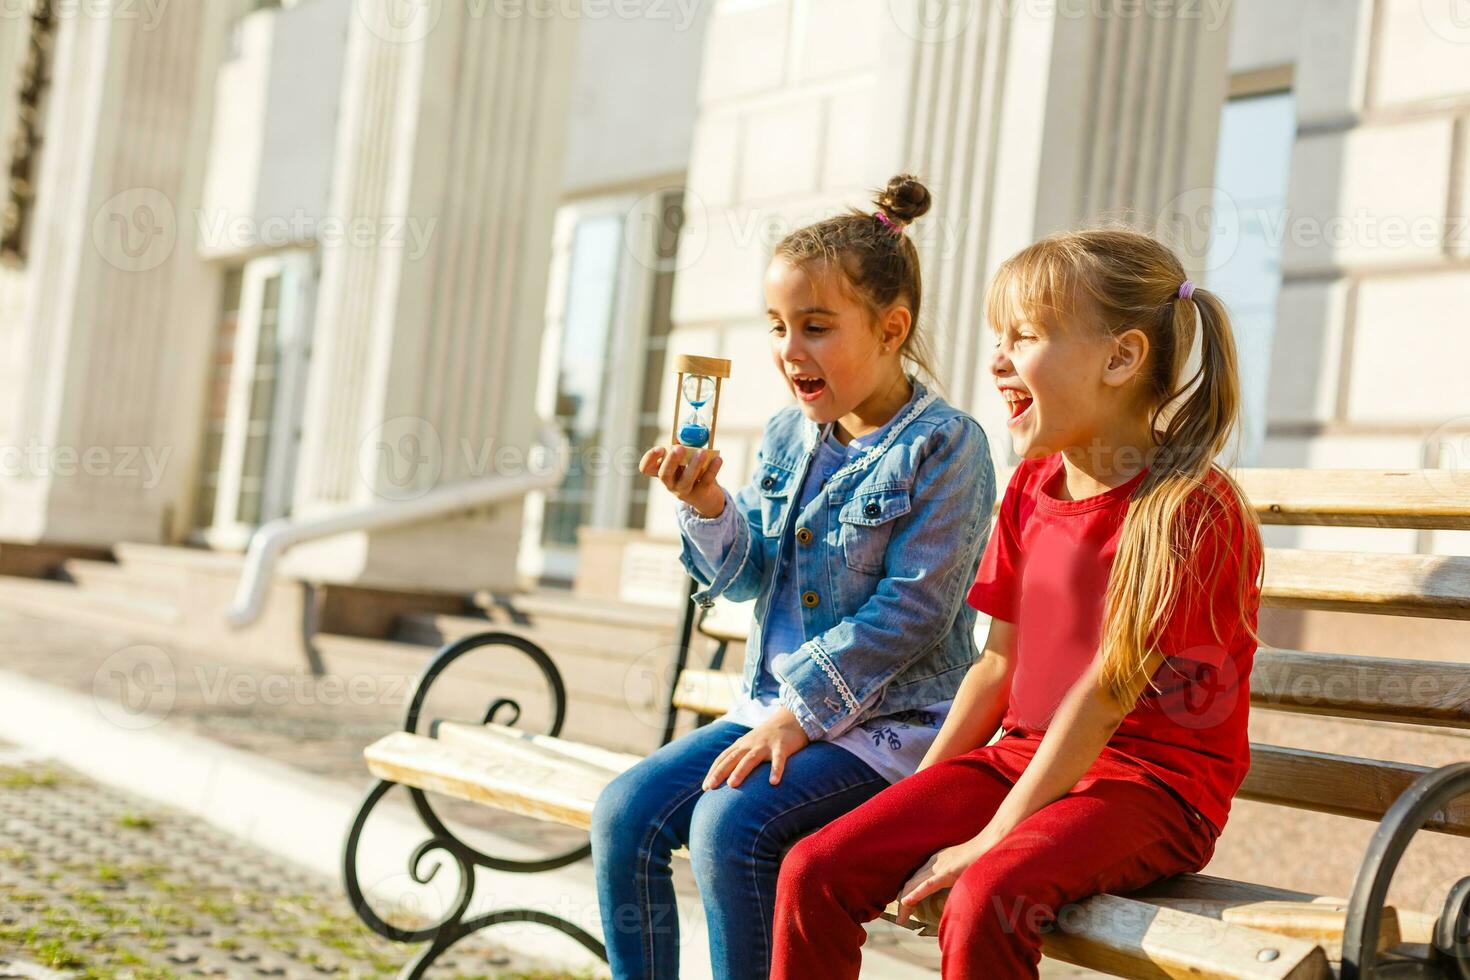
x=690, y=366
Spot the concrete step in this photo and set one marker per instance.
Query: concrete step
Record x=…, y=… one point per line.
x=551, y=629
x=163, y=556
x=47, y=597
x=112, y=578
x=561, y=604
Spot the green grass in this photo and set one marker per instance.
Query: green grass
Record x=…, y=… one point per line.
x=136, y=821
x=108, y=919
x=13, y=777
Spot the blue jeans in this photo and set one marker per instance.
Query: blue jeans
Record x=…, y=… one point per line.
x=736, y=838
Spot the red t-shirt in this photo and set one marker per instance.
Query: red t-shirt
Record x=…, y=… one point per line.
x=1046, y=570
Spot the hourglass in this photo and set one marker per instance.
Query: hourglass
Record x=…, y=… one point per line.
x=698, y=399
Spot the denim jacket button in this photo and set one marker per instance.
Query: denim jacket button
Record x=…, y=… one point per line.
x=768, y=483
x=809, y=599
x=872, y=509
x=804, y=535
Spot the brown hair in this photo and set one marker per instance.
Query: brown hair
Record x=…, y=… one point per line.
x=1119, y=280
x=878, y=262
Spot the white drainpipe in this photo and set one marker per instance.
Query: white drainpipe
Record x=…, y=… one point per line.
x=273, y=539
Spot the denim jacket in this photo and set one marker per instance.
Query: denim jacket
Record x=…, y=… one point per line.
x=884, y=555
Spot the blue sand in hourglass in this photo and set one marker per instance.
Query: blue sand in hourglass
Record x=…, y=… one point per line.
x=693, y=434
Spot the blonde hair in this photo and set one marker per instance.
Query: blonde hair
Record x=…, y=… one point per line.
x=877, y=261
x=1119, y=280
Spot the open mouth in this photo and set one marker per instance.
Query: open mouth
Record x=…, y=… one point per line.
x=1018, y=402
x=808, y=388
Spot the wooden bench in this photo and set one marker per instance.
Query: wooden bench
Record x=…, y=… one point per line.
x=1191, y=925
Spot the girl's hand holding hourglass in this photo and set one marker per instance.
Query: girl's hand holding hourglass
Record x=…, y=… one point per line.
x=689, y=474
x=688, y=466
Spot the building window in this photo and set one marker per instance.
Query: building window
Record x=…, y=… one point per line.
x=603, y=367
x=267, y=369
x=1257, y=130
x=581, y=382
x=217, y=401
x=651, y=428
x=256, y=397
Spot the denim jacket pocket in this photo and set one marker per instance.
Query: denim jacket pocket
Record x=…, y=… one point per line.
x=867, y=525
x=775, y=485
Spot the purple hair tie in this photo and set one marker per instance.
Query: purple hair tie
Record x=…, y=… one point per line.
x=897, y=229
x=1186, y=290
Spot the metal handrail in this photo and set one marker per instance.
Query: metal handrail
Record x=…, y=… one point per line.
x=273, y=539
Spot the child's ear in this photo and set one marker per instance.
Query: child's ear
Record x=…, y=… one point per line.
x=1130, y=351
x=893, y=328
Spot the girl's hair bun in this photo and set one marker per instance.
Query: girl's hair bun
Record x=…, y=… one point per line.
x=904, y=199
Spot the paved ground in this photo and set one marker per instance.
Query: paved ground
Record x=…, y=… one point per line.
x=99, y=883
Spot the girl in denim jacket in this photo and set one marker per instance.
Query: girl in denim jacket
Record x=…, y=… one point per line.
x=857, y=536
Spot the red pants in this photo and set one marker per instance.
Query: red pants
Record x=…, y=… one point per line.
x=1117, y=830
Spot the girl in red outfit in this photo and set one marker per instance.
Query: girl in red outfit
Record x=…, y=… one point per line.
x=1122, y=581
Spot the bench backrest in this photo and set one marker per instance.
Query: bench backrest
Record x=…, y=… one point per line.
x=1387, y=690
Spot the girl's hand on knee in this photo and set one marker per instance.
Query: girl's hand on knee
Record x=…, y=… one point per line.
x=688, y=474
x=941, y=871
x=777, y=739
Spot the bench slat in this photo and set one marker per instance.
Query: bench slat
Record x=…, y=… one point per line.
x=727, y=621
x=709, y=692
x=1315, y=920
x=1431, y=586
x=1311, y=920
x=492, y=738
x=517, y=777
x=1425, y=499
x=1423, y=692
x=1414, y=926
x=1428, y=586
x=1134, y=939
x=1344, y=785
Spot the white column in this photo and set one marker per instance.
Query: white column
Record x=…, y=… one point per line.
x=109, y=312
x=1039, y=120
x=427, y=337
